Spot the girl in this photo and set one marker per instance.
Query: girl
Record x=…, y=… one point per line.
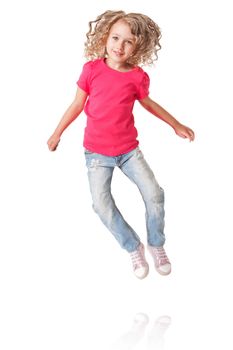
x=110, y=82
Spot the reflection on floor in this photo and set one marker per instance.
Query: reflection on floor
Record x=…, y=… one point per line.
x=142, y=330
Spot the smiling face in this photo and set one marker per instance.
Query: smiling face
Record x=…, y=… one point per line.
x=120, y=44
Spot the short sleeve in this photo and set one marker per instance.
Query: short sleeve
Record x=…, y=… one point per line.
x=84, y=79
x=143, y=90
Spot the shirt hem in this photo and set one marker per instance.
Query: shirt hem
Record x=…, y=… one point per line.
x=90, y=149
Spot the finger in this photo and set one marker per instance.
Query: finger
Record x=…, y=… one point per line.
x=52, y=146
x=191, y=136
x=183, y=136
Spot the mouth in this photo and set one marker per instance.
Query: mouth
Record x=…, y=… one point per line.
x=118, y=53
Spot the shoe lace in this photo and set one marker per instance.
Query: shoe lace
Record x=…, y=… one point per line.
x=138, y=259
x=160, y=255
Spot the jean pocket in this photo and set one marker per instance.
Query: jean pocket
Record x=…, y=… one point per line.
x=139, y=153
x=86, y=151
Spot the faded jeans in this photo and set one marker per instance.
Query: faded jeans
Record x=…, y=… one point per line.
x=135, y=167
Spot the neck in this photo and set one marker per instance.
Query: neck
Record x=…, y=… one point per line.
x=122, y=67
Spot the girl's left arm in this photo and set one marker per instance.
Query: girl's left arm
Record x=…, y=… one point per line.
x=154, y=108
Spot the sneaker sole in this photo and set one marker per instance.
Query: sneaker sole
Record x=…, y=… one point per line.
x=144, y=276
x=162, y=273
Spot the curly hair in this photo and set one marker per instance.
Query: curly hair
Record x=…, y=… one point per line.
x=145, y=30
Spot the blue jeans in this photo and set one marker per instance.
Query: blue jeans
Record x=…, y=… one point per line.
x=135, y=167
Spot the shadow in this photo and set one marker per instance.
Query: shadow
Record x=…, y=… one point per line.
x=150, y=334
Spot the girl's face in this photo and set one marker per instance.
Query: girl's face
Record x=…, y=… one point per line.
x=120, y=43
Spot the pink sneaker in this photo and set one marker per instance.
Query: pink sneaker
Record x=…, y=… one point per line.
x=140, y=265
x=162, y=263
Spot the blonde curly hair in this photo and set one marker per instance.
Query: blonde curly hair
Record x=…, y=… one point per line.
x=145, y=30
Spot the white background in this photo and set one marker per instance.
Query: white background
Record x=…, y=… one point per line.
x=65, y=283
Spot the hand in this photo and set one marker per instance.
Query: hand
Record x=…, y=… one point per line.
x=184, y=132
x=53, y=142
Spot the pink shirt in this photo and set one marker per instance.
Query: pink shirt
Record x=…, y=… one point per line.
x=110, y=126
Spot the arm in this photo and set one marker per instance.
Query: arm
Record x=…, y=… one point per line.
x=154, y=108
x=70, y=115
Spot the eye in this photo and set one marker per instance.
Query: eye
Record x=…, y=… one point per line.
x=129, y=42
x=115, y=38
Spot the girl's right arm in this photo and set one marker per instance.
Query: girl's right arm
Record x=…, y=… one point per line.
x=70, y=115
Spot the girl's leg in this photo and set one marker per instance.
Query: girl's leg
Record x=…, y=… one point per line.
x=100, y=171
x=137, y=169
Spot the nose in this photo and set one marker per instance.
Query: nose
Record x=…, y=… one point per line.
x=120, y=45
